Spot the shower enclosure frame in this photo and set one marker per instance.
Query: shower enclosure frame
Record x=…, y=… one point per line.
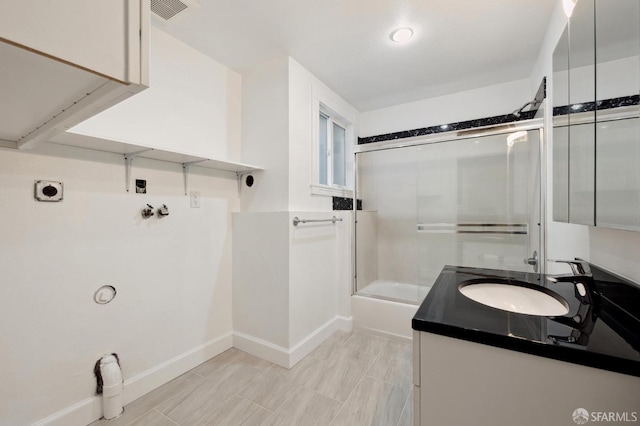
x=452, y=136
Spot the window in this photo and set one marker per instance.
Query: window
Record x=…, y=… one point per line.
x=332, y=137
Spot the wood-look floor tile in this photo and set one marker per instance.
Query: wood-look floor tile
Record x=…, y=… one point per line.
x=236, y=412
x=406, y=419
x=270, y=389
x=373, y=403
x=187, y=408
x=153, y=418
x=231, y=356
x=329, y=346
x=394, y=364
x=367, y=343
x=341, y=373
x=306, y=408
x=306, y=371
x=182, y=384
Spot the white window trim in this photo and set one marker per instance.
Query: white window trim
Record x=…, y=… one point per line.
x=331, y=191
x=317, y=188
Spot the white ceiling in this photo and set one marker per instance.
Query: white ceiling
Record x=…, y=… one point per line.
x=458, y=44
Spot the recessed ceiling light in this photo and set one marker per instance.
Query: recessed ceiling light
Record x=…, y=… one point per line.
x=402, y=35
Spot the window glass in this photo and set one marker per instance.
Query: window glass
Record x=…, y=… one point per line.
x=322, y=151
x=339, y=173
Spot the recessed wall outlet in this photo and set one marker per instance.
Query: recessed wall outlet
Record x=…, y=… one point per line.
x=48, y=190
x=195, y=199
x=141, y=186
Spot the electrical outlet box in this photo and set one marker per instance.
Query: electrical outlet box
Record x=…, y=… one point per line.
x=195, y=199
x=48, y=190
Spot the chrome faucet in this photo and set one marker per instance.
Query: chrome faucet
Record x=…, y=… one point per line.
x=579, y=268
x=580, y=275
x=582, y=321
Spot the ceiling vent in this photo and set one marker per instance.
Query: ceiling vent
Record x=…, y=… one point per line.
x=171, y=9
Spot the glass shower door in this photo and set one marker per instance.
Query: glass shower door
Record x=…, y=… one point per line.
x=479, y=204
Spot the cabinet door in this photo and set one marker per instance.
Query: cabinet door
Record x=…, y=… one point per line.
x=98, y=35
x=618, y=125
x=582, y=113
x=561, y=129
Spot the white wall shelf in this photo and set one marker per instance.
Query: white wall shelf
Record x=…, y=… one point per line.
x=132, y=151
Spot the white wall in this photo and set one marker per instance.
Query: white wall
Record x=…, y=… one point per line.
x=172, y=275
x=192, y=105
x=173, y=307
x=317, y=285
x=265, y=135
x=261, y=276
x=291, y=284
x=477, y=103
x=306, y=92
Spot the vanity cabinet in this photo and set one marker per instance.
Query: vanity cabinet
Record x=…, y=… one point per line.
x=66, y=60
x=596, y=130
x=476, y=364
x=457, y=382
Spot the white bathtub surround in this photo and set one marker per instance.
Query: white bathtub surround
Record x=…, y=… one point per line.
x=388, y=319
x=395, y=291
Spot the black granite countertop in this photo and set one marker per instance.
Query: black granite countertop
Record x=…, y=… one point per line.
x=601, y=329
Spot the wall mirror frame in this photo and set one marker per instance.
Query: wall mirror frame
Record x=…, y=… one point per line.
x=596, y=116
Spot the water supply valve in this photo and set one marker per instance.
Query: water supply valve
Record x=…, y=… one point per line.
x=163, y=211
x=147, y=212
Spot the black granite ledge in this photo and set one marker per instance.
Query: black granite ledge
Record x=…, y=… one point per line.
x=560, y=353
x=607, y=335
x=604, y=104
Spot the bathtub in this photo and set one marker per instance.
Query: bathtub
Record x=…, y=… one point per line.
x=387, y=307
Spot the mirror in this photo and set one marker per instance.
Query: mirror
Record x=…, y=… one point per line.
x=561, y=128
x=582, y=115
x=596, y=130
x=617, y=122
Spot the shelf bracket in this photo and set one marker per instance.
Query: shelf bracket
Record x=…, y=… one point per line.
x=128, y=162
x=185, y=173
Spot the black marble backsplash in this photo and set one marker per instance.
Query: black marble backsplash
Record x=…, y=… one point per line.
x=622, y=101
x=343, y=203
x=463, y=125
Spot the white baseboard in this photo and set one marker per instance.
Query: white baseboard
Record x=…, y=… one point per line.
x=90, y=409
x=313, y=340
x=282, y=356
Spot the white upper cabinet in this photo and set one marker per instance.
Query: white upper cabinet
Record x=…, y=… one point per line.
x=192, y=107
x=62, y=61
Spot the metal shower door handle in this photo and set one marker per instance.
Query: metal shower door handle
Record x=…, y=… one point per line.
x=533, y=261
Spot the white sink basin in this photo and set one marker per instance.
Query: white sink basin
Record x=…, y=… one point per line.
x=515, y=298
